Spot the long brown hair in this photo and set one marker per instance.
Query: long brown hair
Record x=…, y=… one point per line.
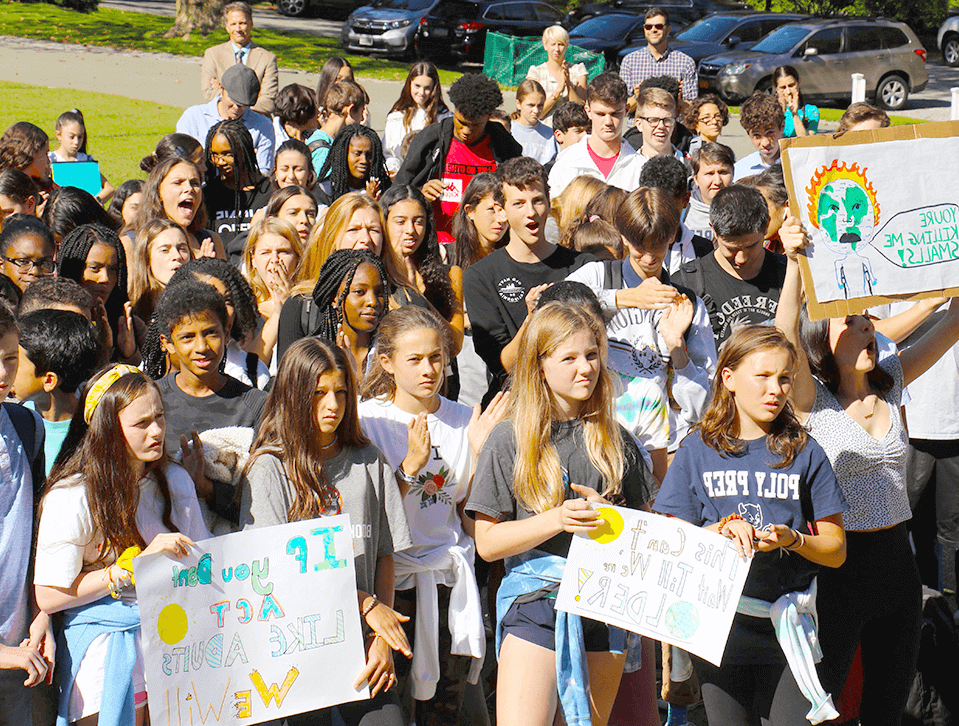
x=151, y=206
x=378, y=383
x=407, y=105
x=537, y=474
x=98, y=453
x=291, y=432
x=719, y=426
x=145, y=289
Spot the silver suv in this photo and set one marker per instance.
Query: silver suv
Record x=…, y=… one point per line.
x=826, y=53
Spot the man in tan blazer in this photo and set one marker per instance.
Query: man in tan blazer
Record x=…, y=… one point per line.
x=238, y=21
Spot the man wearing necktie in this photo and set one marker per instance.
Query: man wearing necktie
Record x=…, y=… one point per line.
x=238, y=21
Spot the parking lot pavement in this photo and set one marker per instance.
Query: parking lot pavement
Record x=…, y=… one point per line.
x=270, y=18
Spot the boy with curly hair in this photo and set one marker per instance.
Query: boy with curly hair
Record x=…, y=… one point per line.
x=762, y=118
x=444, y=156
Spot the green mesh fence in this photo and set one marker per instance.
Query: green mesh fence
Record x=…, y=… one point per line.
x=507, y=58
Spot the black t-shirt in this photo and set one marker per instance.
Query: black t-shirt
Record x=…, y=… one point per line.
x=235, y=404
x=230, y=211
x=492, y=490
x=495, y=291
x=731, y=302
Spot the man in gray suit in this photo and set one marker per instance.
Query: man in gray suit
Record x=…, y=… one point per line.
x=238, y=21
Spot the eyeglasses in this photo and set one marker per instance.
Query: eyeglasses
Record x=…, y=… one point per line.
x=654, y=26
x=226, y=156
x=654, y=121
x=45, y=267
x=708, y=119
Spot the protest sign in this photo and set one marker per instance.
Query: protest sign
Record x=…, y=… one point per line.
x=880, y=208
x=657, y=576
x=252, y=626
x=83, y=175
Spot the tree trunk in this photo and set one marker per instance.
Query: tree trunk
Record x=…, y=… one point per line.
x=200, y=16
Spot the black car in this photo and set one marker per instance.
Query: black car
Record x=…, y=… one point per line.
x=458, y=27
x=720, y=32
x=681, y=12
x=608, y=34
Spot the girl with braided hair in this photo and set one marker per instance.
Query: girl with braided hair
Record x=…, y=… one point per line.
x=355, y=163
x=93, y=256
x=241, y=324
x=347, y=304
x=235, y=188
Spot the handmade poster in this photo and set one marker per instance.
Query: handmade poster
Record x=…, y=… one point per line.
x=253, y=626
x=657, y=576
x=83, y=175
x=881, y=210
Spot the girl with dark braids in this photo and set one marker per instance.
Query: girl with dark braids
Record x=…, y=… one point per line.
x=241, y=326
x=347, y=304
x=93, y=256
x=235, y=188
x=355, y=164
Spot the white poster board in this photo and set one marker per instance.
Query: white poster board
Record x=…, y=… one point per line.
x=882, y=213
x=252, y=626
x=657, y=576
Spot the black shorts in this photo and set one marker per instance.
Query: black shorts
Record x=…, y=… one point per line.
x=535, y=622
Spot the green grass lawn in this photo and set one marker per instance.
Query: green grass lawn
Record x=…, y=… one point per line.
x=121, y=130
x=139, y=31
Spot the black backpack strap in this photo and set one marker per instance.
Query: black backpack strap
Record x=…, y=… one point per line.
x=309, y=316
x=252, y=364
x=318, y=144
x=612, y=274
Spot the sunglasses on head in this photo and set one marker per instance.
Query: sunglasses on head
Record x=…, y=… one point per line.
x=654, y=26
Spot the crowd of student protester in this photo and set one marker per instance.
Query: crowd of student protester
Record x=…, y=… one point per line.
x=464, y=330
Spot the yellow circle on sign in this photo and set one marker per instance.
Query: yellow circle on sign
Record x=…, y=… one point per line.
x=610, y=528
x=172, y=624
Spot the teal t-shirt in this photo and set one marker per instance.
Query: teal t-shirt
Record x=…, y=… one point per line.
x=56, y=434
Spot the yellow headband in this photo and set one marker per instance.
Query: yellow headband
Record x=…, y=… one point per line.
x=102, y=385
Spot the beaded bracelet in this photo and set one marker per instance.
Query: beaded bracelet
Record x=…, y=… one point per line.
x=726, y=520
x=409, y=479
x=372, y=604
x=114, y=587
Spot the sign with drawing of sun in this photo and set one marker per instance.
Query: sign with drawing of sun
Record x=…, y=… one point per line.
x=881, y=211
x=252, y=626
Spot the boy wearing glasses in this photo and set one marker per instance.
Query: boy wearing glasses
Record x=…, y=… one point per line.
x=656, y=119
x=603, y=154
x=656, y=59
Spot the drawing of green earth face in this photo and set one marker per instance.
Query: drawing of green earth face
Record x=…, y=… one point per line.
x=844, y=212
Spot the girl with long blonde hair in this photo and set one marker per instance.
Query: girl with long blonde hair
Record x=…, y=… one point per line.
x=538, y=474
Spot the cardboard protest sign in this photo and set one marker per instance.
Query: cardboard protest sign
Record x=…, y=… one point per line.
x=881, y=209
x=253, y=626
x=657, y=576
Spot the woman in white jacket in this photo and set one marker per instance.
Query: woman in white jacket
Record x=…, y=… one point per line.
x=420, y=104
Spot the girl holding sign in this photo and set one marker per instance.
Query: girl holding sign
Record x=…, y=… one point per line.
x=750, y=472
x=536, y=479
x=110, y=494
x=312, y=460
x=432, y=443
x=850, y=401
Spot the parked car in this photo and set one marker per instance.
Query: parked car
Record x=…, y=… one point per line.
x=296, y=8
x=719, y=32
x=608, y=34
x=947, y=40
x=386, y=26
x=826, y=53
x=681, y=12
x=458, y=27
